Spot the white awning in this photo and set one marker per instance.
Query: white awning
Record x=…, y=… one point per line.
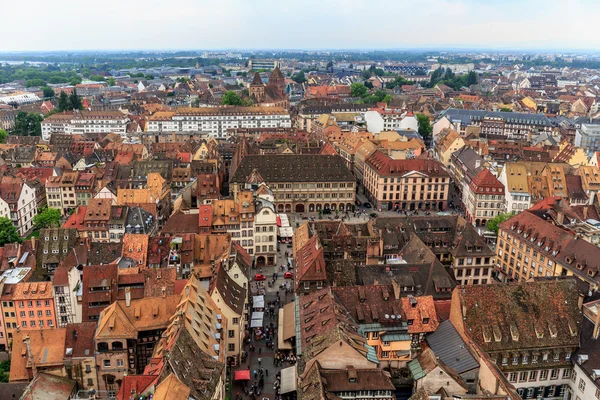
x=258, y=303
x=258, y=315
x=258, y=298
x=256, y=323
x=286, y=231
x=288, y=379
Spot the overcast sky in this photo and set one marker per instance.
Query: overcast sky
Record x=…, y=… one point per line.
x=301, y=24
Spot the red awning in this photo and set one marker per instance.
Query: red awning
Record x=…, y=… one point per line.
x=278, y=221
x=243, y=375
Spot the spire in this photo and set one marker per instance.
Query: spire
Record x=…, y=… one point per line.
x=257, y=80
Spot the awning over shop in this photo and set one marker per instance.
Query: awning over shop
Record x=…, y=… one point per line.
x=258, y=304
x=286, y=231
x=287, y=326
x=256, y=323
x=278, y=221
x=288, y=379
x=258, y=315
x=243, y=375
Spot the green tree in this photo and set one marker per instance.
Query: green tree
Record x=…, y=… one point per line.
x=231, y=98
x=149, y=77
x=75, y=101
x=472, y=78
x=299, y=77
x=366, y=74
x=76, y=80
x=4, y=371
x=357, y=89
x=425, y=128
x=111, y=82
x=47, y=218
x=505, y=109
x=85, y=72
x=368, y=84
x=493, y=223
x=63, y=101
x=8, y=232
x=48, y=92
x=97, y=78
x=28, y=124
x=35, y=82
x=3, y=136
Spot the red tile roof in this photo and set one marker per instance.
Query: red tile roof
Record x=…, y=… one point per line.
x=484, y=182
x=386, y=166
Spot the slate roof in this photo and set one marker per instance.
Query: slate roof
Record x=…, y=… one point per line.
x=233, y=294
x=468, y=116
x=449, y=347
x=294, y=168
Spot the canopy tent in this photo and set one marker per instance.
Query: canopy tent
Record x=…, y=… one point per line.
x=287, y=326
x=242, y=375
x=258, y=298
x=258, y=315
x=288, y=379
x=256, y=323
x=286, y=231
x=258, y=304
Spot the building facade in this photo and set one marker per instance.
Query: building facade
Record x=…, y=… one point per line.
x=417, y=184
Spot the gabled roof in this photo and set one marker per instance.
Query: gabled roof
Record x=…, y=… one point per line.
x=310, y=262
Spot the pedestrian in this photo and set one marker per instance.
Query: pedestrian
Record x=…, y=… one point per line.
x=267, y=372
x=255, y=372
x=259, y=363
x=259, y=351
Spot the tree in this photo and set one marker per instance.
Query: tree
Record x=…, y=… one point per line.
x=8, y=232
x=357, y=89
x=493, y=223
x=75, y=101
x=28, y=124
x=76, y=80
x=231, y=98
x=3, y=136
x=111, y=82
x=299, y=77
x=48, y=218
x=35, y=82
x=97, y=78
x=149, y=77
x=425, y=128
x=505, y=109
x=63, y=101
x=472, y=78
x=4, y=371
x=366, y=74
x=368, y=84
x=48, y=92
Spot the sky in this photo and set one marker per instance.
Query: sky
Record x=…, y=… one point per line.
x=41, y=25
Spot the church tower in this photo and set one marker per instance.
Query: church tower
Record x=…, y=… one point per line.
x=277, y=81
x=257, y=88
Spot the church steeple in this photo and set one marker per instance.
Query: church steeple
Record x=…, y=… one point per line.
x=277, y=81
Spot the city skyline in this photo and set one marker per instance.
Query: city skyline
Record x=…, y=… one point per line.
x=312, y=25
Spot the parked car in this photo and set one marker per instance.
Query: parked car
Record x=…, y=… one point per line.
x=288, y=275
x=367, y=205
x=259, y=277
x=374, y=215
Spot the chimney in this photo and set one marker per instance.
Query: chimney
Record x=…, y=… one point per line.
x=30, y=355
x=127, y=297
x=560, y=217
x=33, y=244
x=397, y=290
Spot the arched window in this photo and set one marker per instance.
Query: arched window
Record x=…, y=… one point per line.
x=102, y=346
x=117, y=346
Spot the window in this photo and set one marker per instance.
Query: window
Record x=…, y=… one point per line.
x=119, y=362
x=231, y=333
x=107, y=363
x=231, y=347
x=532, y=376
x=384, y=354
x=236, y=321
x=90, y=382
x=543, y=375
x=306, y=285
x=523, y=376
x=374, y=335
x=512, y=377
x=88, y=368
x=582, y=385
x=566, y=372
x=554, y=374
